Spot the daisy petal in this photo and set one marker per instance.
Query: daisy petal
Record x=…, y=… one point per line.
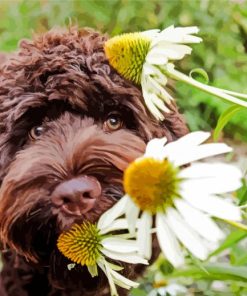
x=160, y=103
x=178, y=35
x=116, y=211
x=107, y=270
x=213, y=205
x=93, y=270
x=191, y=139
x=157, y=59
x=212, y=185
x=152, y=70
x=186, y=235
x=155, y=146
x=120, y=245
x=118, y=224
x=144, y=236
x=151, y=33
x=188, y=30
x=122, y=281
x=201, y=223
x=132, y=213
x=209, y=170
x=158, y=90
x=200, y=152
x=168, y=242
x=172, y=290
x=132, y=258
x=170, y=50
x=152, y=108
x=147, y=70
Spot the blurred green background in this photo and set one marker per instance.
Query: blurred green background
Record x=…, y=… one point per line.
x=223, y=54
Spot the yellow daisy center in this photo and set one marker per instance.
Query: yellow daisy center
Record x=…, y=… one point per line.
x=126, y=54
x=81, y=244
x=152, y=184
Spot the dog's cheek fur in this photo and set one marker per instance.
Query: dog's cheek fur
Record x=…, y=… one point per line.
x=71, y=147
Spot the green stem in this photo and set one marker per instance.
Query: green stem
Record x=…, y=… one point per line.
x=233, y=93
x=223, y=94
x=236, y=224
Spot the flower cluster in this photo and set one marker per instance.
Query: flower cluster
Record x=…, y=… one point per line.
x=166, y=197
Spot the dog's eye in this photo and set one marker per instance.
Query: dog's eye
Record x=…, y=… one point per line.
x=113, y=122
x=36, y=132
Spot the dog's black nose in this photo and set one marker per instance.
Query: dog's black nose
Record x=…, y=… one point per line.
x=76, y=196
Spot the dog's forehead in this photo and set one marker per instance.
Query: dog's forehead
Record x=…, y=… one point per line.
x=68, y=66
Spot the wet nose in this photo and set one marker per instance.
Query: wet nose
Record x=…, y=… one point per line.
x=77, y=196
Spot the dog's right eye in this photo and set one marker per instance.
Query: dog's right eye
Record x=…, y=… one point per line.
x=36, y=132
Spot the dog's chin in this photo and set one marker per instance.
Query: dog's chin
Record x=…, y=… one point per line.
x=62, y=277
x=34, y=234
x=77, y=278
x=42, y=251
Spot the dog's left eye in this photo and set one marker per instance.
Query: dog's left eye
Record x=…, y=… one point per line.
x=36, y=132
x=113, y=122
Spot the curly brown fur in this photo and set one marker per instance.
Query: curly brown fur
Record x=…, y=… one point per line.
x=62, y=81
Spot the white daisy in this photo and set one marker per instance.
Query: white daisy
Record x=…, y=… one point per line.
x=147, y=58
x=164, y=288
x=166, y=45
x=181, y=199
x=90, y=245
x=169, y=290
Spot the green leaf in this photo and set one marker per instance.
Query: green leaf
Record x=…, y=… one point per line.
x=201, y=72
x=243, y=197
x=238, y=255
x=215, y=271
x=224, y=118
x=233, y=238
x=138, y=292
x=196, y=262
x=242, y=193
x=242, y=260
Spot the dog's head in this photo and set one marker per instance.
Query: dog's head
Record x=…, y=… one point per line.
x=69, y=126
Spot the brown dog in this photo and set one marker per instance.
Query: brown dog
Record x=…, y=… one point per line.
x=69, y=126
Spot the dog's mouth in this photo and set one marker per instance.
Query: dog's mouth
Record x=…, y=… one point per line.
x=44, y=242
x=37, y=242
x=61, y=275
x=34, y=234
